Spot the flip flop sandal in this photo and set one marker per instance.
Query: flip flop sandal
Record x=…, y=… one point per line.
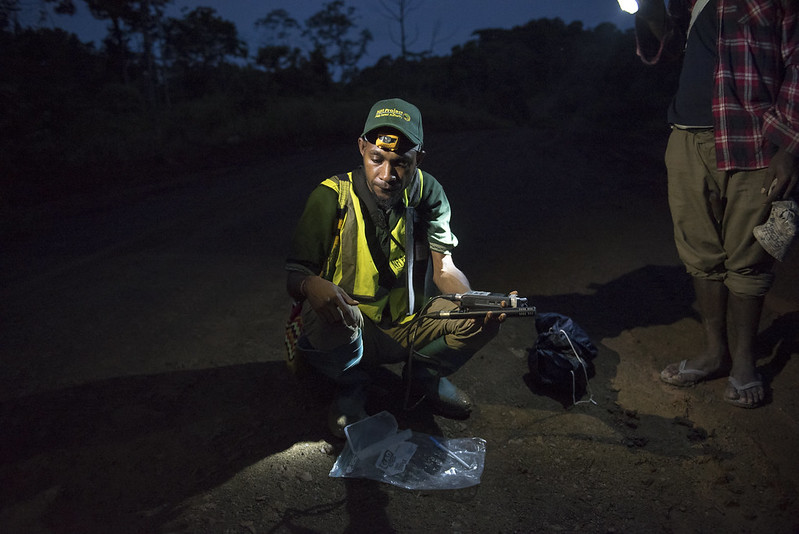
x=738, y=400
x=684, y=377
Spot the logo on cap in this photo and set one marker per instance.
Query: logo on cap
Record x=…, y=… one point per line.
x=393, y=113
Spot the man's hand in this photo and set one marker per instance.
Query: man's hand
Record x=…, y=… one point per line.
x=781, y=176
x=328, y=300
x=493, y=319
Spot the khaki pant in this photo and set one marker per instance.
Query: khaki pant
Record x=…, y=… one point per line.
x=391, y=345
x=714, y=213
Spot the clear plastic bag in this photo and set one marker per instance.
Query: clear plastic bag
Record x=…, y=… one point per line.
x=376, y=450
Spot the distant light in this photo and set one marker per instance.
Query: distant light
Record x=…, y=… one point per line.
x=630, y=6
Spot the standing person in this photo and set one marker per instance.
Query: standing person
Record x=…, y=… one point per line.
x=732, y=151
x=356, y=258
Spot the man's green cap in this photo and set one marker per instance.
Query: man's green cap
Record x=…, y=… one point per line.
x=398, y=114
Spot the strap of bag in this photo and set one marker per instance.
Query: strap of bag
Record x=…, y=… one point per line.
x=344, y=184
x=410, y=256
x=410, y=246
x=585, y=372
x=698, y=7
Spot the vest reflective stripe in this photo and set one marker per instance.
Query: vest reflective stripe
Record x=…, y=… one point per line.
x=355, y=270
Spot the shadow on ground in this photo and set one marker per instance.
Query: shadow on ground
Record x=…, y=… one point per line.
x=122, y=454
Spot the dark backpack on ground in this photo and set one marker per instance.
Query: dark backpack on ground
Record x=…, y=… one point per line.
x=561, y=357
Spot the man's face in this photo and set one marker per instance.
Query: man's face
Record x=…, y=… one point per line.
x=387, y=173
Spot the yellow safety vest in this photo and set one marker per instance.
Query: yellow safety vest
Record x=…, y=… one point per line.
x=351, y=266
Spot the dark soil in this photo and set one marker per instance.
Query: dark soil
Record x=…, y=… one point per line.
x=143, y=386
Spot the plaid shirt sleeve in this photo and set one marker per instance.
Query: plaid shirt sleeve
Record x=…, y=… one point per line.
x=757, y=82
x=781, y=123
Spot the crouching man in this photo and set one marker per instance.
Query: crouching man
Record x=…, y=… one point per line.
x=358, y=261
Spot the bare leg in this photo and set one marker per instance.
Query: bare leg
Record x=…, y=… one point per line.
x=712, y=298
x=744, y=321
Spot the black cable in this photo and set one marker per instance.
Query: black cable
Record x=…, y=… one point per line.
x=523, y=311
x=412, y=331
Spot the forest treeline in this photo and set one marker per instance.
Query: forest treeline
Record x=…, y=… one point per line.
x=162, y=94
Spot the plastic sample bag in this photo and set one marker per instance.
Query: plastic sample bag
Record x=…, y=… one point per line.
x=779, y=232
x=376, y=450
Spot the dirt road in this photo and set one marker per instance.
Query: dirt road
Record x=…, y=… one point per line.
x=143, y=388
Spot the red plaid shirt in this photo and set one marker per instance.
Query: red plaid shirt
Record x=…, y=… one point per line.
x=756, y=93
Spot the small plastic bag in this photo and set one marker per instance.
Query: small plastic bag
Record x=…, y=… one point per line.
x=779, y=232
x=375, y=450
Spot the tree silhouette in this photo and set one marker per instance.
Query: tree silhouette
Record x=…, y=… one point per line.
x=201, y=39
x=197, y=45
x=279, y=54
x=129, y=17
x=329, y=32
x=8, y=13
x=399, y=11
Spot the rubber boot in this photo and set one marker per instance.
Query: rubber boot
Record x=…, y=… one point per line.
x=341, y=364
x=429, y=369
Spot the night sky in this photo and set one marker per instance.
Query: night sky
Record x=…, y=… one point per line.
x=455, y=19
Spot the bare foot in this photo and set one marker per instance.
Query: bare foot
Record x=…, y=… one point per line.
x=686, y=373
x=745, y=395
